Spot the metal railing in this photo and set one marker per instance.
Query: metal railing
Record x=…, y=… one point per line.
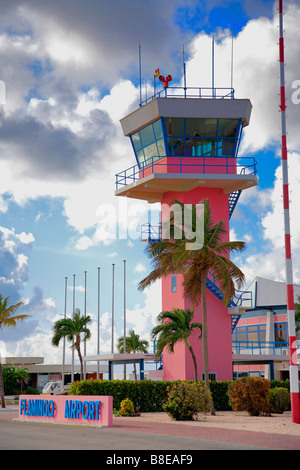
x=241, y=298
x=279, y=348
x=151, y=232
x=241, y=166
x=191, y=92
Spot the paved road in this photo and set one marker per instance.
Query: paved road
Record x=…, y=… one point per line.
x=131, y=435
x=32, y=436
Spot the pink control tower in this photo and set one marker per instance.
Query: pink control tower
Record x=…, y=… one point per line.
x=186, y=141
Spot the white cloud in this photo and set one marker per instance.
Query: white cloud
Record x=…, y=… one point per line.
x=139, y=268
x=143, y=318
x=269, y=258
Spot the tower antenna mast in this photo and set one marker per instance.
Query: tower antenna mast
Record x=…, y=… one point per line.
x=294, y=387
x=232, y=56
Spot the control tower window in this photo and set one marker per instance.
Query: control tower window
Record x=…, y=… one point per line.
x=199, y=137
x=148, y=143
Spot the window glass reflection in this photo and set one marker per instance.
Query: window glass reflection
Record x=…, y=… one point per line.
x=136, y=141
x=228, y=127
x=157, y=127
x=161, y=148
x=176, y=146
x=227, y=147
x=147, y=135
x=151, y=151
x=201, y=127
x=195, y=137
x=175, y=126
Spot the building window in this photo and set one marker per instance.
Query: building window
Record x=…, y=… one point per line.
x=198, y=137
x=253, y=333
x=212, y=376
x=173, y=283
x=148, y=144
x=281, y=335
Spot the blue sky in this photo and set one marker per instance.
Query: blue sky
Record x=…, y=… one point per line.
x=71, y=73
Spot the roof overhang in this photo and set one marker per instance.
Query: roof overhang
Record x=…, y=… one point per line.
x=186, y=108
x=153, y=187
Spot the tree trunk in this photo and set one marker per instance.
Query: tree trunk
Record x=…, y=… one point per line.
x=205, y=338
x=2, y=387
x=194, y=360
x=134, y=368
x=80, y=357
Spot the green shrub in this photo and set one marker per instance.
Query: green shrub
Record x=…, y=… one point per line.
x=146, y=395
x=14, y=379
x=219, y=392
x=279, y=400
x=31, y=391
x=250, y=394
x=186, y=400
x=280, y=384
x=127, y=408
x=149, y=396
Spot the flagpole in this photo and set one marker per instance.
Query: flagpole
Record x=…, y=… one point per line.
x=232, y=58
x=98, y=325
x=213, y=66
x=72, y=375
x=140, y=70
x=184, y=71
x=294, y=370
x=64, y=339
x=113, y=309
x=124, y=341
x=84, y=346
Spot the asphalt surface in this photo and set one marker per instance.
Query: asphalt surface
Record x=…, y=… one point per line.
x=133, y=435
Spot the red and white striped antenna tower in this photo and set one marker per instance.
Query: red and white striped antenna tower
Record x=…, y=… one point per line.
x=294, y=386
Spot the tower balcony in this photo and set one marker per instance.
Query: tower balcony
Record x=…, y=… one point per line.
x=159, y=175
x=185, y=138
x=191, y=92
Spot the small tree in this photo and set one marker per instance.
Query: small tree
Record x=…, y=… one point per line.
x=14, y=379
x=186, y=400
x=174, y=327
x=8, y=319
x=133, y=345
x=250, y=394
x=72, y=328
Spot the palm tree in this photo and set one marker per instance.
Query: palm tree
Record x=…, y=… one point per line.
x=174, y=327
x=133, y=345
x=8, y=319
x=172, y=256
x=72, y=328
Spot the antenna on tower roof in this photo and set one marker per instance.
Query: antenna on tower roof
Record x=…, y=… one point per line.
x=232, y=56
x=184, y=71
x=213, y=66
x=140, y=69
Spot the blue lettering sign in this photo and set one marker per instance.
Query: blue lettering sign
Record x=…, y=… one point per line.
x=37, y=407
x=75, y=409
x=85, y=410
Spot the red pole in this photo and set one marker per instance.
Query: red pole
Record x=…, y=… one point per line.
x=294, y=385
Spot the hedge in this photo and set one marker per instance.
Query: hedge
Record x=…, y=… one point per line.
x=148, y=395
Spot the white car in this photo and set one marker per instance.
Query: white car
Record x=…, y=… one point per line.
x=53, y=388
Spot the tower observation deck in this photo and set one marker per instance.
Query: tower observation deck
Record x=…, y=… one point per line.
x=184, y=140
